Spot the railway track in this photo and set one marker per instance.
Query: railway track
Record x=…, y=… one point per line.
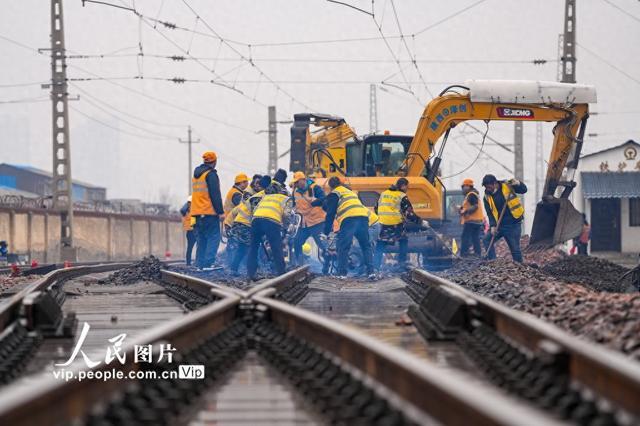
x=39, y=319
x=267, y=360
x=528, y=359
x=324, y=373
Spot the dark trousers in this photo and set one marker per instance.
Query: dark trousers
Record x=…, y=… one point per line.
x=470, y=238
x=239, y=253
x=191, y=241
x=303, y=235
x=351, y=227
x=582, y=248
x=389, y=234
x=511, y=234
x=273, y=232
x=208, y=240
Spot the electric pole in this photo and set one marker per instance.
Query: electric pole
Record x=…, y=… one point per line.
x=61, y=190
x=373, y=109
x=189, y=142
x=569, y=43
x=272, y=165
x=539, y=161
x=518, y=167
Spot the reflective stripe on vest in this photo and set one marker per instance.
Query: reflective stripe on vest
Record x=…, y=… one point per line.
x=349, y=205
x=475, y=217
x=243, y=210
x=389, y=207
x=512, y=200
x=310, y=215
x=228, y=201
x=200, y=200
x=271, y=207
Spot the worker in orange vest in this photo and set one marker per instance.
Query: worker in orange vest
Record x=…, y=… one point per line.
x=471, y=218
x=308, y=198
x=236, y=193
x=206, y=207
x=187, y=225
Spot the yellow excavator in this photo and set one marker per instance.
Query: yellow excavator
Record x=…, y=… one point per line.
x=371, y=163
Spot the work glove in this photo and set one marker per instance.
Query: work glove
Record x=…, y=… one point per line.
x=513, y=182
x=425, y=223
x=493, y=230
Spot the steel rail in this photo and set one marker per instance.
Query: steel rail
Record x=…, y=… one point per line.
x=444, y=395
x=9, y=308
x=55, y=402
x=604, y=371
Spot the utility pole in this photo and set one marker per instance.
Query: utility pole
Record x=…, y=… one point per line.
x=62, y=189
x=189, y=142
x=272, y=165
x=569, y=43
x=373, y=109
x=518, y=167
x=539, y=161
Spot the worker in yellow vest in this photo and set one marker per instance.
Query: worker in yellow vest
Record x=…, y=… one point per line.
x=394, y=210
x=254, y=186
x=352, y=216
x=501, y=199
x=187, y=226
x=240, y=232
x=471, y=218
x=206, y=208
x=236, y=193
x=270, y=218
x=308, y=198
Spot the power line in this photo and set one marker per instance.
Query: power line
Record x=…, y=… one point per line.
x=248, y=60
x=610, y=3
x=411, y=55
x=35, y=83
x=351, y=6
x=155, y=123
x=445, y=19
x=621, y=71
x=25, y=100
x=164, y=102
x=180, y=58
x=113, y=127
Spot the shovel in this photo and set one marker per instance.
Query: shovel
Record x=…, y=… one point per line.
x=493, y=237
x=555, y=221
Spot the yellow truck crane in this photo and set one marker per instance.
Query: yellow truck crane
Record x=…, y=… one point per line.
x=370, y=164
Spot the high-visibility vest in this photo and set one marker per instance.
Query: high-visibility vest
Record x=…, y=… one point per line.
x=475, y=217
x=228, y=201
x=389, y=207
x=188, y=221
x=244, y=209
x=271, y=207
x=349, y=205
x=200, y=201
x=512, y=200
x=311, y=215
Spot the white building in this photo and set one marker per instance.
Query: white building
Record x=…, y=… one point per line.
x=608, y=192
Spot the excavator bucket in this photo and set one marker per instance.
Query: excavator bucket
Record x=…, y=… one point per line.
x=555, y=222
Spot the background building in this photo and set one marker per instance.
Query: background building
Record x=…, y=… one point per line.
x=36, y=181
x=608, y=192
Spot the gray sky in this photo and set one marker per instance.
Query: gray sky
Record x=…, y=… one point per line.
x=141, y=157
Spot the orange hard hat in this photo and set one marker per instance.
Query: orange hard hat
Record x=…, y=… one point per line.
x=467, y=182
x=297, y=176
x=241, y=177
x=209, y=157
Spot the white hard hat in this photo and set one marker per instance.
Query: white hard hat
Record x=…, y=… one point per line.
x=189, y=199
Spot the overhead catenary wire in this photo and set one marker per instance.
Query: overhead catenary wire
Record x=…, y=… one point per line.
x=605, y=61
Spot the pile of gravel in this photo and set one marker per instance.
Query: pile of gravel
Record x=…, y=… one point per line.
x=148, y=269
x=598, y=274
x=608, y=318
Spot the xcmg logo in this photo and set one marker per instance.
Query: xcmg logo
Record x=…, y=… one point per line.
x=453, y=109
x=514, y=112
